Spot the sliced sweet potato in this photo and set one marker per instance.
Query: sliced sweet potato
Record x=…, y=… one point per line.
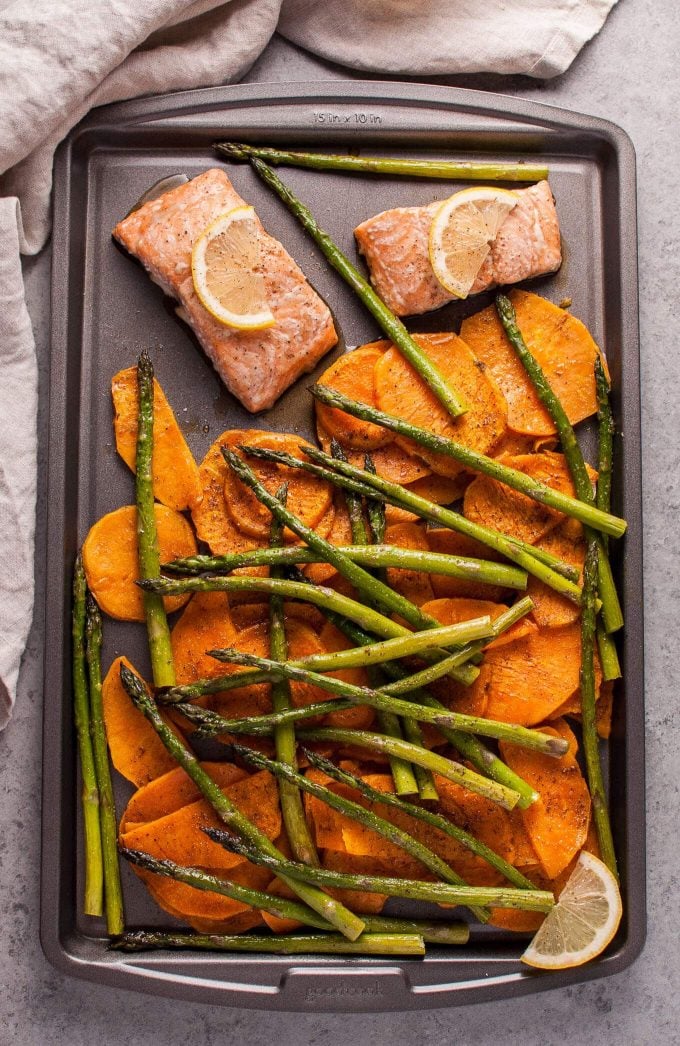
x=514, y=918
x=210, y=516
x=205, y=624
x=175, y=474
x=604, y=709
x=111, y=559
x=391, y=462
x=309, y=498
x=497, y=506
x=450, y=543
x=356, y=900
x=563, y=347
x=402, y=392
x=525, y=681
x=248, y=614
x=175, y=789
x=557, y=823
x=136, y=750
x=360, y=717
x=352, y=374
x=414, y=584
x=550, y=608
x=179, y=836
x=340, y=534
x=205, y=911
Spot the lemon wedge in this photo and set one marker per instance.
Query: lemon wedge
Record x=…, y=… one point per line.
x=462, y=233
x=583, y=921
x=227, y=271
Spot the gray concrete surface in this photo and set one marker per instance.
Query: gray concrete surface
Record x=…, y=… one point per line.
x=628, y=74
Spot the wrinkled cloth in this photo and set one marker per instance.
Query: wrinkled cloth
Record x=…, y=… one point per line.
x=60, y=58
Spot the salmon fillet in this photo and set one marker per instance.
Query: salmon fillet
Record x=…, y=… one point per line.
x=395, y=245
x=256, y=366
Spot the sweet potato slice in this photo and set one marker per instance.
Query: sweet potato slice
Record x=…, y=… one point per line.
x=414, y=584
x=451, y=611
x=363, y=903
x=557, y=823
x=360, y=717
x=495, y=505
x=179, y=836
x=205, y=624
x=175, y=789
x=550, y=608
x=562, y=345
x=391, y=461
x=209, y=912
x=309, y=498
x=111, y=559
x=440, y=539
x=352, y=374
x=402, y=392
x=175, y=474
x=525, y=681
x=210, y=516
x=136, y=750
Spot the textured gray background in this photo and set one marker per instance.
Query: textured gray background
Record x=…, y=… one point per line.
x=628, y=74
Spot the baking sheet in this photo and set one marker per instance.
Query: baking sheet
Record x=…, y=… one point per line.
x=105, y=310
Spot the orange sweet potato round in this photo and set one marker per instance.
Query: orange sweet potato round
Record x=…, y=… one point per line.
x=111, y=559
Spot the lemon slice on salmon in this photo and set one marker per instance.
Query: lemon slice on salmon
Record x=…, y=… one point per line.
x=583, y=921
x=462, y=232
x=226, y=266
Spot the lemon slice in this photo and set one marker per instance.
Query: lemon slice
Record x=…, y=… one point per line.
x=226, y=268
x=583, y=921
x=462, y=232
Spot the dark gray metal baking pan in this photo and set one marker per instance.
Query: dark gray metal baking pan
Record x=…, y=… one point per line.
x=104, y=310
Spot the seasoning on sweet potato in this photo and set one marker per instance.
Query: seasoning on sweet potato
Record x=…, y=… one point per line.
x=551, y=609
x=402, y=392
x=179, y=837
x=248, y=614
x=111, y=559
x=352, y=374
x=340, y=533
x=309, y=497
x=136, y=750
x=356, y=900
x=525, y=681
x=561, y=344
x=211, y=519
x=516, y=920
x=205, y=624
x=557, y=823
x=173, y=790
x=495, y=505
x=175, y=474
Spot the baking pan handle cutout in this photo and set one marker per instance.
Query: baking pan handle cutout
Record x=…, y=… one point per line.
x=341, y=989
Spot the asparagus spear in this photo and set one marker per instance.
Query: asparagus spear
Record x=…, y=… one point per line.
x=160, y=648
x=292, y=810
x=452, y=170
x=440, y=893
x=591, y=749
x=611, y=608
x=335, y=912
x=373, y=557
x=390, y=324
x=278, y=944
x=469, y=841
x=148, y=940
x=210, y=724
x=609, y=659
x=542, y=565
x=113, y=893
x=94, y=870
x=439, y=931
x=519, y=735
x=473, y=460
x=359, y=813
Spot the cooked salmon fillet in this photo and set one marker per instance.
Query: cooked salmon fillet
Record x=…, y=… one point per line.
x=395, y=245
x=256, y=366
